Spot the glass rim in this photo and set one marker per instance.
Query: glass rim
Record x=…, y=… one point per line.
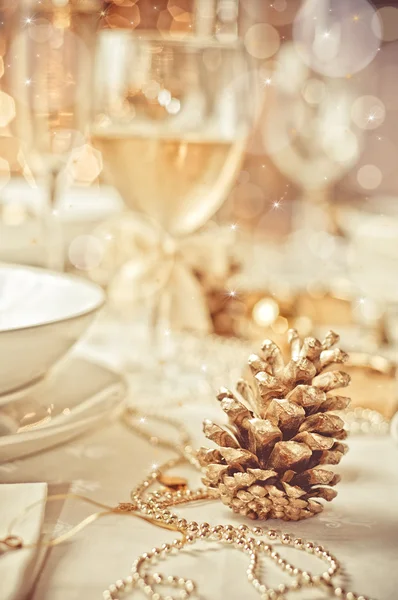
x=192, y=40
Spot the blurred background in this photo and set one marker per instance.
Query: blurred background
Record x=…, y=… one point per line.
x=314, y=201
x=278, y=36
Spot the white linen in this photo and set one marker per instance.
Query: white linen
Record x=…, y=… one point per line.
x=18, y=568
x=359, y=526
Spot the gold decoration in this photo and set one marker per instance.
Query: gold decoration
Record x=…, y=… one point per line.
x=281, y=432
x=374, y=392
x=374, y=383
x=223, y=313
x=173, y=483
x=254, y=312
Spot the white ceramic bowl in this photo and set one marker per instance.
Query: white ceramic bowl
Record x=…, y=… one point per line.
x=42, y=314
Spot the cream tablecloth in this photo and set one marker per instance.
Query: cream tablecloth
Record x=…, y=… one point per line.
x=360, y=526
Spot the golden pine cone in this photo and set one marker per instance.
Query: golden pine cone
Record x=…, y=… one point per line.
x=281, y=432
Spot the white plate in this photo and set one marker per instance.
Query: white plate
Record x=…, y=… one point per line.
x=77, y=396
x=42, y=314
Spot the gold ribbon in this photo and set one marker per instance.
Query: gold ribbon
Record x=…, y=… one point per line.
x=145, y=262
x=12, y=542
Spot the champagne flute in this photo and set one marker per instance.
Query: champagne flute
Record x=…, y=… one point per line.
x=50, y=58
x=171, y=119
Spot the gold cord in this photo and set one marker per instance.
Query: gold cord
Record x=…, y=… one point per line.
x=15, y=542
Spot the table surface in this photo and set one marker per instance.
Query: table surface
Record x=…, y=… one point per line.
x=360, y=526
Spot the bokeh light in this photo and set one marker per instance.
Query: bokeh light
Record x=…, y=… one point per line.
x=180, y=15
x=368, y=112
x=280, y=326
x=164, y=20
x=279, y=5
x=337, y=38
x=382, y=152
x=265, y=312
x=369, y=177
x=174, y=106
x=127, y=19
x=388, y=15
x=262, y=40
x=314, y=91
x=248, y=200
x=85, y=252
x=178, y=12
x=341, y=145
x=85, y=164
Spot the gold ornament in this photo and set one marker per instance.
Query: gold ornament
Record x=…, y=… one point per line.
x=257, y=312
x=214, y=280
x=374, y=383
x=173, y=483
x=281, y=432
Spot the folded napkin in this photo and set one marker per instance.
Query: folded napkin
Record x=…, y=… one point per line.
x=19, y=568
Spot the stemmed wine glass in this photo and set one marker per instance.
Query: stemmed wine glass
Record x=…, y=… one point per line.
x=311, y=139
x=50, y=59
x=171, y=119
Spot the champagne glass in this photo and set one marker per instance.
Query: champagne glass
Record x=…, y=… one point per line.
x=311, y=139
x=171, y=119
x=50, y=60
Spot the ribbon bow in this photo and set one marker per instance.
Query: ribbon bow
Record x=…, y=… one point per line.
x=156, y=260
x=163, y=270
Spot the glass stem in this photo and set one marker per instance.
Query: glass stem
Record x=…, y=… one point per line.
x=53, y=188
x=53, y=234
x=160, y=326
x=154, y=322
x=313, y=211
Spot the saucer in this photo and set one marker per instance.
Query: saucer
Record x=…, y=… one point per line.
x=78, y=395
x=21, y=392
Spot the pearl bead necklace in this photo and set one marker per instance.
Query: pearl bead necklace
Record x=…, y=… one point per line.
x=252, y=541
x=249, y=540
